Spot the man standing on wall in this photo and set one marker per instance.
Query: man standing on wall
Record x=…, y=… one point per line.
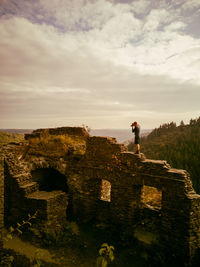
x=136, y=130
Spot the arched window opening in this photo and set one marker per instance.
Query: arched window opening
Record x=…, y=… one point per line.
x=151, y=197
x=105, y=191
x=50, y=179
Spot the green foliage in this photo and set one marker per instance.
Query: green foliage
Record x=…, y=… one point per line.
x=56, y=146
x=19, y=227
x=50, y=237
x=6, y=260
x=36, y=261
x=179, y=145
x=106, y=255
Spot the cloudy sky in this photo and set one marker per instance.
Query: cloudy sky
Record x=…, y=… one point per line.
x=103, y=63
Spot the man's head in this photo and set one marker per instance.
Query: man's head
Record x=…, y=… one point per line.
x=134, y=123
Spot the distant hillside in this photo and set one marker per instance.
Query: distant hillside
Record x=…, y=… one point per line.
x=20, y=131
x=121, y=135
x=6, y=138
x=179, y=145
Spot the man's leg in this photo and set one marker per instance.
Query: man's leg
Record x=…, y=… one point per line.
x=138, y=148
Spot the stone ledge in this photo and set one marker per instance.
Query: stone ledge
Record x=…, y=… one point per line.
x=46, y=195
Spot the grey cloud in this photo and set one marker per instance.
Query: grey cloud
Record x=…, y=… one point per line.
x=62, y=14
x=156, y=97
x=46, y=75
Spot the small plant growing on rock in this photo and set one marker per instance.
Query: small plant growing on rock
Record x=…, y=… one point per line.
x=87, y=128
x=106, y=255
x=6, y=259
x=18, y=228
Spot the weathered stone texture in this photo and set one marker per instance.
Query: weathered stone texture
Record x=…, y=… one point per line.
x=102, y=149
x=176, y=222
x=51, y=206
x=71, y=131
x=22, y=197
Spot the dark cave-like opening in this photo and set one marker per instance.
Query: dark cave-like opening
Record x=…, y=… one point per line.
x=49, y=179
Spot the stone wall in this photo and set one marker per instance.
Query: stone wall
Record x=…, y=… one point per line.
x=23, y=197
x=127, y=173
x=174, y=225
x=71, y=131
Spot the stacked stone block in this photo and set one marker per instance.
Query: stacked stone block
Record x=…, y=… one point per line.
x=70, y=131
x=50, y=206
x=176, y=222
x=127, y=174
x=22, y=197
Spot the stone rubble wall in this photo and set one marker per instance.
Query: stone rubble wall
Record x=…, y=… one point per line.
x=22, y=196
x=127, y=174
x=71, y=131
x=176, y=223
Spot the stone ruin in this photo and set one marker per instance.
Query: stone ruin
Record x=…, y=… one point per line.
x=105, y=185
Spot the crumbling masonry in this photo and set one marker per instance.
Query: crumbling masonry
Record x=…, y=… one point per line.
x=72, y=184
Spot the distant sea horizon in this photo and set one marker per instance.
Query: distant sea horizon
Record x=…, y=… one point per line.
x=122, y=135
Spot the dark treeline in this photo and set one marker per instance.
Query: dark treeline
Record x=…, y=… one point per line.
x=179, y=145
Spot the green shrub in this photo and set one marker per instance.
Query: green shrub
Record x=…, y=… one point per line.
x=106, y=255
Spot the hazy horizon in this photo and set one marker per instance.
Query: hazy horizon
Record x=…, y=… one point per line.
x=120, y=134
x=102, y=63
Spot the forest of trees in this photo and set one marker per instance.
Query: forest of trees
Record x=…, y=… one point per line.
x=179, y=145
